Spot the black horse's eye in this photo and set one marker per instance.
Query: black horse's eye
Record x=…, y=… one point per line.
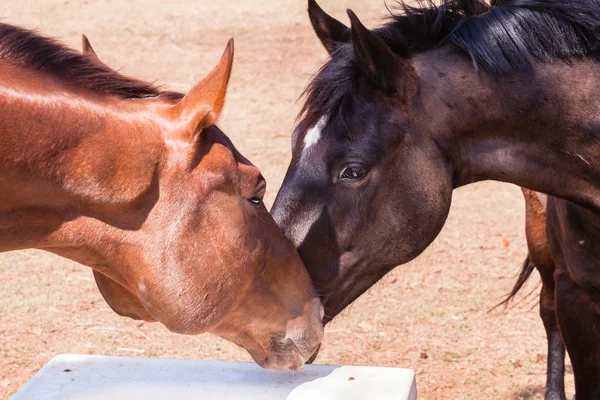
x=353, y=172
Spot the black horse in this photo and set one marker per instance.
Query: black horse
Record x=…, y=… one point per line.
x=440, y=97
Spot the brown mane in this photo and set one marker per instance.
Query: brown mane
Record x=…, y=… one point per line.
x=30, y=50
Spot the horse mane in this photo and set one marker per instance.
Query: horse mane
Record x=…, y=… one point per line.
x=498, y=37
x=30, y=50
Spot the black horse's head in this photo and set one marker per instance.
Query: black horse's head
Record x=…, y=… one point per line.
x=364, y=191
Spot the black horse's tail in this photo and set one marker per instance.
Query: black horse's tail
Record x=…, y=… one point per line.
x=526, y=270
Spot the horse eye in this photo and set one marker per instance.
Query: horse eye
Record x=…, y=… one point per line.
x=353, y=172
x=258, y=197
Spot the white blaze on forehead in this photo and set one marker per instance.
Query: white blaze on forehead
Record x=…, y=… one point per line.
x=314, y=134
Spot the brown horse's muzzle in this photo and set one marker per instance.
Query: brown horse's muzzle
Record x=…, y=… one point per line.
x=287, y=353
x=282, y=342
x=291, y=351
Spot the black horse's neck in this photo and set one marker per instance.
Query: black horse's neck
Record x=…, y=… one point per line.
x=538, y=129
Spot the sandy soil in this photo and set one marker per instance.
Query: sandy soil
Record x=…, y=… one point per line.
x=431, y=315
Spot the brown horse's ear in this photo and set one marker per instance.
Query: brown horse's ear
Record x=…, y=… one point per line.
x=86, y=46
x=329, y=30
x=384, y=69
x=203, y=104
x=88, y=50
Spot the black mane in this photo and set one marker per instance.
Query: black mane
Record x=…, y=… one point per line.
x=30, y=50
x=499, y=37
x=506, y=35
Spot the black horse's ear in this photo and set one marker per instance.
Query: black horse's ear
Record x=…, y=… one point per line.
x=385, y=69
x=329, y=30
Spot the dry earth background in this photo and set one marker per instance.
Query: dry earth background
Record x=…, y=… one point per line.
x=431, y=315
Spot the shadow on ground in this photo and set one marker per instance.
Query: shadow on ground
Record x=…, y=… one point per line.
x=529, y=392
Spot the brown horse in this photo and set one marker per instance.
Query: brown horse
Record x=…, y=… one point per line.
x=140, y=185
x=540, y=258
x=437, y=98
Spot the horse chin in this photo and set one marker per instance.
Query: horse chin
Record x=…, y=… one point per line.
x=292, y=361
x=283, y=356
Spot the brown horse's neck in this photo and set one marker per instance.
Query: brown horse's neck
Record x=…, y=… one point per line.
x=69, y=161
x=537, y=129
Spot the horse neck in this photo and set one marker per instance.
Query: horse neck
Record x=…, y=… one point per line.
x=71, y=164
x=538, y=129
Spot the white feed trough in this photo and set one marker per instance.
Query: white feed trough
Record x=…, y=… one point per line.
x=80, y=377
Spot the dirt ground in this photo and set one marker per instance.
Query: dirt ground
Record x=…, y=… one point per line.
x=430, y=315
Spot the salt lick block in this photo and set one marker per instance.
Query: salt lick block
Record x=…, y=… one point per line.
x=82, y=377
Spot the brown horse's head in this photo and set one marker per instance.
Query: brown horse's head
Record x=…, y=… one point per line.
x=214, y=260
x=155, y=197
